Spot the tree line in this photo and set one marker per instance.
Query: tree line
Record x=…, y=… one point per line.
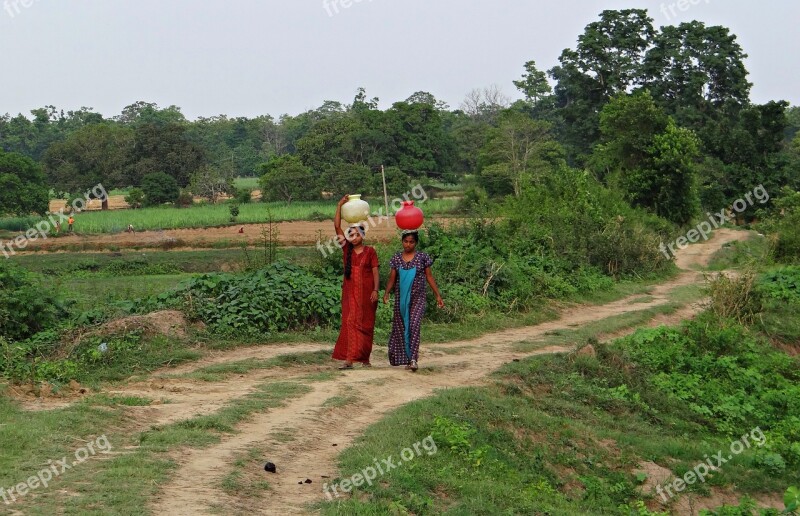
x=664, y=115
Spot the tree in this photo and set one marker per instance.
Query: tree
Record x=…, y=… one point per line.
x=649, y=156
x=348, y=179
x=159, y=188
x=94, y=154
x=421, y=145
x=164, y=148
x=607, y=61
x=693, y=71
x=485, y=104
x=141, y=112
x=520, y=150
x=397, y=182
x=533, y=84
x=211, y=182
x=286, y=179
x=22, y=186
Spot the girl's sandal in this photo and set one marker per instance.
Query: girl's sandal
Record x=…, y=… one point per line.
x=414, y=366
x=408, y=366
x=346, y=366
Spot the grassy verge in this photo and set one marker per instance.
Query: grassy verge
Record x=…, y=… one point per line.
x=125, y=481
x=553, y=435
x=739, y=254
x=219, y=372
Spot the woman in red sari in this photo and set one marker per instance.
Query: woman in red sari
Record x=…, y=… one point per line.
x=359, y=294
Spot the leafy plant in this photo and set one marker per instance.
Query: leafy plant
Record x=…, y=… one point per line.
x=275, y=298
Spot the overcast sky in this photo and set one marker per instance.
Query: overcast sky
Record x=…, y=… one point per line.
x=249, y=57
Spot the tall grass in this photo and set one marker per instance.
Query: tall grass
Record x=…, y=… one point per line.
x=115, y=221
x=251, y=183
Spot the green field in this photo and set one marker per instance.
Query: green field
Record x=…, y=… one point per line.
x=208, y=215
x=250, y=183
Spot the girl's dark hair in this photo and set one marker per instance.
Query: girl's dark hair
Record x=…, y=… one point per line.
x=414, y=234
x=348, y=262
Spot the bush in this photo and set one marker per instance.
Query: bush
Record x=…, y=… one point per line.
x=275, y=298
x=135, y=198
x=159, y=188
x=26, y=305
x=724, y=375
x=184, y=199
x=243, y=195
x=734, y=297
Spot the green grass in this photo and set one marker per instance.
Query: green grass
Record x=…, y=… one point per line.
x=200, y=216
x=340, y=401
x=88, y=293
x=127, y=482
x=93, y=264
x=536, y=442
x=218, y=372
x=591, y=331
x=251, y=183
x=739, y=254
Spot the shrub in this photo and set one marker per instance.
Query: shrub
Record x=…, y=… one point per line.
x=135, y=198
x=184, y=199
x=243, y=195
x=734, y=297
x=159, y=188
x=26, y=305
x=275, y=298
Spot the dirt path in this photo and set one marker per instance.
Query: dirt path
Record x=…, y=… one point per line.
x=322, y=432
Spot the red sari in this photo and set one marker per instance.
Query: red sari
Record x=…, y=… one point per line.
x=358, y=312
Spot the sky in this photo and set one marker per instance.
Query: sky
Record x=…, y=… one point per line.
x=251, y=57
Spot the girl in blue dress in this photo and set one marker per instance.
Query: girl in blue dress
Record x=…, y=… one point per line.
x=410, y=270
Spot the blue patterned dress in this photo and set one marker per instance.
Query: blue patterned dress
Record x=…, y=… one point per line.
x=409, y=307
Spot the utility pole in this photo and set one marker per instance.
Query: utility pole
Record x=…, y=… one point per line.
x=385, y=196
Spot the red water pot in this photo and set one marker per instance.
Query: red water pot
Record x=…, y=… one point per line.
x=409, y=217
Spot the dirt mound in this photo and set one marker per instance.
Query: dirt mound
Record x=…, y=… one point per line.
x=170, y=323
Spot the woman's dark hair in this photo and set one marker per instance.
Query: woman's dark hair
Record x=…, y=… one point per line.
x=348, y=262
x=414, y=234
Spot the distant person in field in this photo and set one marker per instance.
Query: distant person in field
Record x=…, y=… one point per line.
x=359, y=294
x=130, y=229
x=70, y=223
x=410, y=269
x=58, y=227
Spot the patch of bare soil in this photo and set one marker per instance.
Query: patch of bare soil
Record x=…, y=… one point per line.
x=290, y=233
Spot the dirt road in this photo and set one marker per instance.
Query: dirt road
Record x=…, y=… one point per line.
x=319, y=431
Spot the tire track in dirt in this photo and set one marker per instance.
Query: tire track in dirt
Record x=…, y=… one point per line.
x=196, y=486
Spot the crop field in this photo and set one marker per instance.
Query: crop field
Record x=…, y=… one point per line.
x=208, y=215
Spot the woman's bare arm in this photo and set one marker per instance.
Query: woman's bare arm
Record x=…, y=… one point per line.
x=389, y=285
x=337, y=222
x=432, y=283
